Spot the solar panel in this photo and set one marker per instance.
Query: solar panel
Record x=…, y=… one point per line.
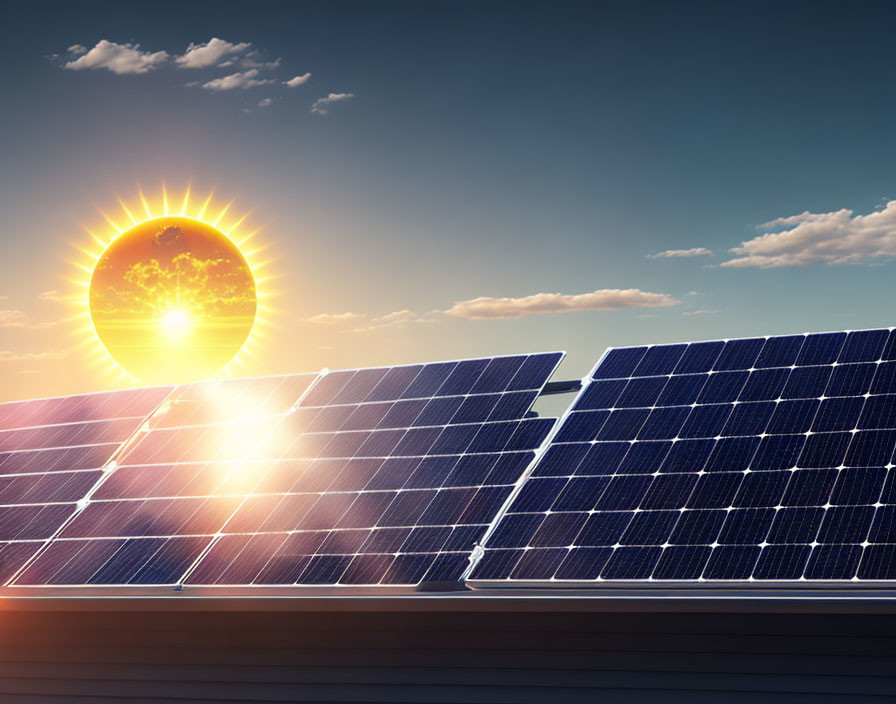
x=365, y=477
x=763, y=460
x=152, y=515
x=52, y=452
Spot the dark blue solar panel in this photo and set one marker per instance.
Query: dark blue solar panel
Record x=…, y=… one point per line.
x=765, y=459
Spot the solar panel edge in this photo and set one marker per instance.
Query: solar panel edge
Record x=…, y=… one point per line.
x=478, y=554
x=79, y=505
x=745, y=337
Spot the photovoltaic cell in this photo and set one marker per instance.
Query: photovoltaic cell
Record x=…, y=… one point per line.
x=52, y=453
x=759, y=460
x=364, y=477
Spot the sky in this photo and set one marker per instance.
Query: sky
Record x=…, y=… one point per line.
x=437, y=181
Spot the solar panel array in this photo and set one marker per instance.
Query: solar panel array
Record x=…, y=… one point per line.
x=760, y=460
x=358, y=477
x=52, y=451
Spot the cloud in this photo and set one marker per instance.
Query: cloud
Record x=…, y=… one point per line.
x=77, y=50
x=18, y=319
x=8, y=356
x=117, y=58
x=213, y=53
x=398, y=319
x=265, y=102
x=241, y=79
x=701, y=311
x=485, y=308
x=839, y=237
x=682, y=253
x=320, y=105
x=335, y=318
x=251, y=61
x=54, y=296
x=297, y=80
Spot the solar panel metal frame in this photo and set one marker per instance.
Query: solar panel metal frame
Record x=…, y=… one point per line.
x=814, y=588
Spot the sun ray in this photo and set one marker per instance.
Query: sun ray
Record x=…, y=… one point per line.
x=186, y=203
x=164, y=199
x=221, y=214
x=109, y=220
x=208, y=200
x=127, y=212
x=145, y=204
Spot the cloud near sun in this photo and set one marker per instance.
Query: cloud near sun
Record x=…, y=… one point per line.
x=487, y=308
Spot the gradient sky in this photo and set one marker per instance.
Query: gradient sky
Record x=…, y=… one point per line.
x=488, y=150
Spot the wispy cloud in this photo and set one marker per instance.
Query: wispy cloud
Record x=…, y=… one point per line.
x=335, y=318
x=486, y=308
x=839, y=237
x=321, y=105
x=398, y=319
x=297, y=81
x=682, y=253
x=53, y=296
x=215, y=52
x=18, y=319
x=265, y=102
x=117, y=58
x=240, y=79
x=701, y=311
x=8, y=356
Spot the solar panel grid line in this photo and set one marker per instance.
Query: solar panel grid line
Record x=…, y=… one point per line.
x=80, y=503
x=192, y=567
x=792, y=486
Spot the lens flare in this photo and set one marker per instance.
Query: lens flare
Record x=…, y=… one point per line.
x=174, y=296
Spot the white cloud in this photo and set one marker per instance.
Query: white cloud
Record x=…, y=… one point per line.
x=118, y=58
x=297, y=80
x=320, y=105
x=213, y=53
x=682, y=253
x=485, y=308
x=701, y=311
x=335, y=318
x=265, y=102
x=77, y=50
x=51, y=296
x=241, y=79
x=807, y=239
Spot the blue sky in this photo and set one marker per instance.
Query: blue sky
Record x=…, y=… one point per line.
x=496, y=152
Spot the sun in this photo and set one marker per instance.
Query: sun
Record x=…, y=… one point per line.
x=174, y=296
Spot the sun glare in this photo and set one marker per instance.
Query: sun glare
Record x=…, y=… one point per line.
x=172, y=291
